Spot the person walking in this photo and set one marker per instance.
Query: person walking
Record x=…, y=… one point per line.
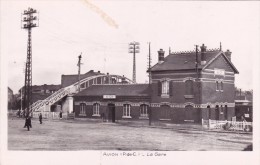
x=28, y=123
x=40, y=118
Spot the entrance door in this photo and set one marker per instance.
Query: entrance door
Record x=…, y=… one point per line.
x=217, y=112
x=111, y=112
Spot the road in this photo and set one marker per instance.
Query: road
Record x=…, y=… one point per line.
x=76, y=135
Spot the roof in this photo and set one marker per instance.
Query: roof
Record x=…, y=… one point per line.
x=240, y=97
x=116, y=89
x=186, y=61
x=45, y=86
x=9, y=89
x=67, y=80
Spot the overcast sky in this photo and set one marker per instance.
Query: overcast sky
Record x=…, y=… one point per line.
x=101, y=30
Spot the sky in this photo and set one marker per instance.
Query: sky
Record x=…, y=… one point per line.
x=102, y=30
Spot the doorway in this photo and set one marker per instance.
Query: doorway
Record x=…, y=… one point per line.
x=111, y=112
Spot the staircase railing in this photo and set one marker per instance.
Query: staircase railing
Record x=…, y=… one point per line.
x=68, y=90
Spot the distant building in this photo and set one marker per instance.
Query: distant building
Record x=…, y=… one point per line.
x=67, y=80
x=40, y=92
x=243, y=108
x=10, y=98
x=186, y=87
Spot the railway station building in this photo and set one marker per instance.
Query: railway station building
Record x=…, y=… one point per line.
x=186, y=87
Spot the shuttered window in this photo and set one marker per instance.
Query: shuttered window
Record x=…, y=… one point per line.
x=165, y=87
x=159, y=88
x=189, y=87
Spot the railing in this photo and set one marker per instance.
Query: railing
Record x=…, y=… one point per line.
x=228, y=125
x=68, y=90
x=52, y=115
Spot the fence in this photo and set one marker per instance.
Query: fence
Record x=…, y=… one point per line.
x=53, y=115
x=228, y=125
x=45, y=115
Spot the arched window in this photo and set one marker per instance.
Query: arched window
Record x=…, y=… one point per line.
x=217, y=86
x=96, y=109
x=82, y=109
x=189, y=87
x=144, y=110
x=221, y=110
x=126, y=110
x=221, y=86
x=165, y=88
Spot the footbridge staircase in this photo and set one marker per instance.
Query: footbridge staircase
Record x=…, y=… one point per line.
x=45, y=105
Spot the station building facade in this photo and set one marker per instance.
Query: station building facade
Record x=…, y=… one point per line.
x=185, y=87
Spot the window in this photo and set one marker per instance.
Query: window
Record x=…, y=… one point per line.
x=144, y=110
x=221, y=110
x=217, y=86
x=189, y=87
x=126, y=110
x=165, y=87
x=96, y=109
x=82, y=109
x=221, y=86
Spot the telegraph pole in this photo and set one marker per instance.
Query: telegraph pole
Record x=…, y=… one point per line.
x=28, y=19
x=79, y=63
x=150, y=83
x=149, y=63
x=134, y=48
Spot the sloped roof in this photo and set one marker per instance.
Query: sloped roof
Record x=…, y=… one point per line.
x=67, y=80
x=116, y=89
x=45, y=86
x=187, y=61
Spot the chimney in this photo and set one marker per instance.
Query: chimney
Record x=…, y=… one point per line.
x=228, y=54
x=202, y=57
x=160, y=56
x=98, y=71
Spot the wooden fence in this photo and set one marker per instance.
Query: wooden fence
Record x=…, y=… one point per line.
x=53, y=115
x=45, y=115
x=228, y=125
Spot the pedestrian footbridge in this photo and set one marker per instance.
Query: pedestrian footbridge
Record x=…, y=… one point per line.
x=69, y=91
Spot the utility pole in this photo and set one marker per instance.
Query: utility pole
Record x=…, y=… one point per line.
x=21, y=98
x=28, y=19
x=149, y=63
x=197, y=61
x=79, y=63
x=134, y=48
x=198, y=76
x=150, y=83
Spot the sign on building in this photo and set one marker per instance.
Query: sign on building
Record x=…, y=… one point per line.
x=220, y=72
x=109, y=96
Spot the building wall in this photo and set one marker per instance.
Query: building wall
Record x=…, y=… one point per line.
x=89, y=101
x=204, y=103
x=204, y=93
